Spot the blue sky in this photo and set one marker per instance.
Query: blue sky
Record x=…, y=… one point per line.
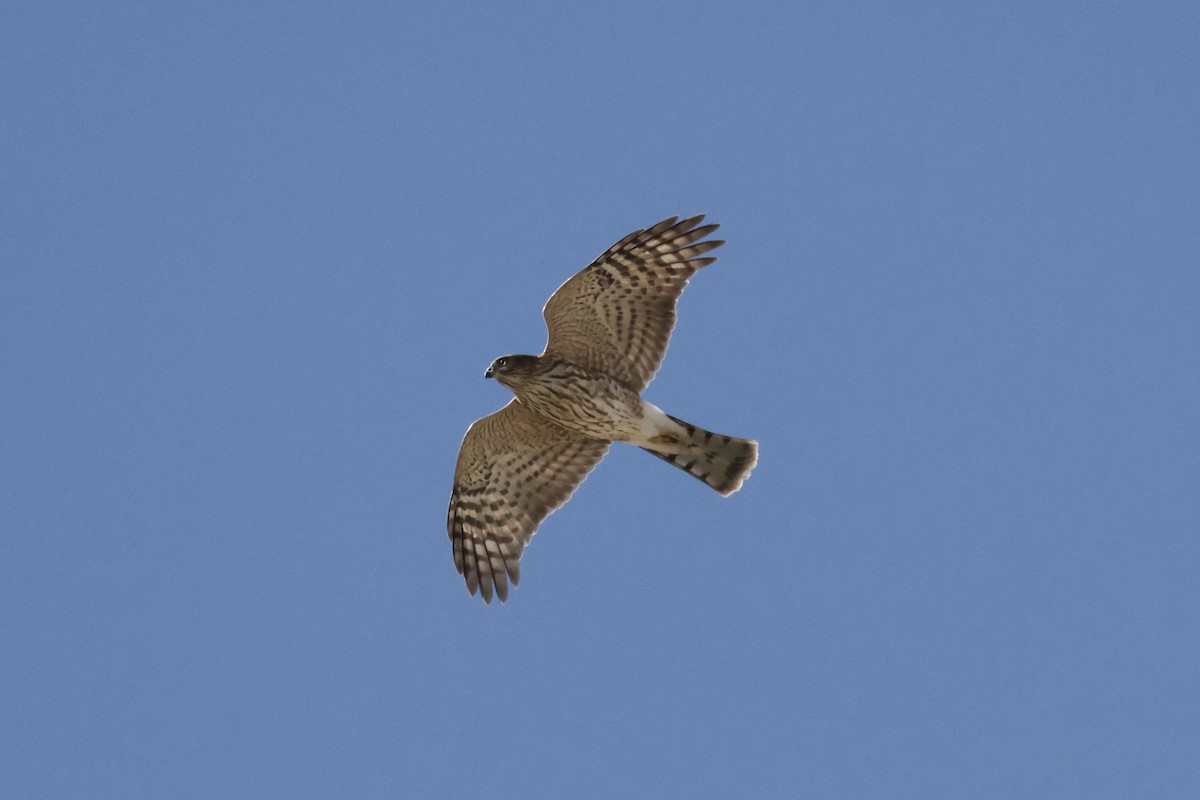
x=256, y=258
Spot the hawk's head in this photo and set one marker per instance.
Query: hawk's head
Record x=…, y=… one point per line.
x=511, y=369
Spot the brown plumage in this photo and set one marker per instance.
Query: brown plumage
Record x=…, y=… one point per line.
x=608, y=331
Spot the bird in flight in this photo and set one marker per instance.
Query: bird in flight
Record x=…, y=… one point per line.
x=609, y=325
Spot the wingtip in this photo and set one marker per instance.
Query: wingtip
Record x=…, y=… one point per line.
x=693, y=222
x=663, y=225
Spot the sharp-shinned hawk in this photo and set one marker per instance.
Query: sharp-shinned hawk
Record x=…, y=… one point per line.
x=609, y=326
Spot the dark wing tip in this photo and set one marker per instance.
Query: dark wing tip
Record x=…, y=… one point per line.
x=658, y=227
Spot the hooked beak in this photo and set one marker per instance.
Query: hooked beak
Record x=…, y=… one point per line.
x=489, y=373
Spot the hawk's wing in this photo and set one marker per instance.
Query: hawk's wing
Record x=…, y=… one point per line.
x=514, y=468
x=617, y=314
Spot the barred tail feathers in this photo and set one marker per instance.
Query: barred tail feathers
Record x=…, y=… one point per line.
x=723, y=462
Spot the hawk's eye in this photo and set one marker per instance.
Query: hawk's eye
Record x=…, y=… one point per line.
x=501, y=362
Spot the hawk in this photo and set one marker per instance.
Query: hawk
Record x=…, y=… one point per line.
x=609, y=326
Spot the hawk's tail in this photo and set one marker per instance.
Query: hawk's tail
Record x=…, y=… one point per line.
x=722, y=462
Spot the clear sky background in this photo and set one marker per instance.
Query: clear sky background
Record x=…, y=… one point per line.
x=256, y=257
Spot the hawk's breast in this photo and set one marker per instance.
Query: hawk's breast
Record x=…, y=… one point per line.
x=588, y=402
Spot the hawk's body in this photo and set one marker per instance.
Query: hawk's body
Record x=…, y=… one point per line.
x=600, y=405
x=609, y=326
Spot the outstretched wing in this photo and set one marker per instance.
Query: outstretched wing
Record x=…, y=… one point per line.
x=616, y=315
x=514, y=468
